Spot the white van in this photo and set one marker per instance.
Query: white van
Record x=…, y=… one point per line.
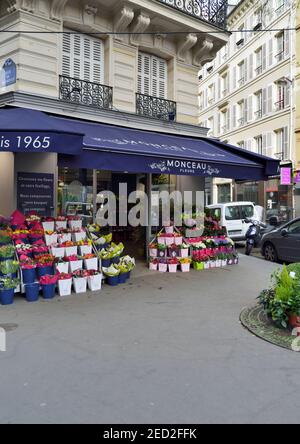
x=232, y=216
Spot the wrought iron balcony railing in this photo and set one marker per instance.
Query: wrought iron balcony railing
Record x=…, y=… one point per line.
x=258, y=114
x=85, y=93
x=279, y=105
x=258, y=70
x=156, y=107
x=212, y=11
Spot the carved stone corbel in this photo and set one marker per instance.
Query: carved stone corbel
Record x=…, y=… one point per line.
x=204, y=52
x=158, y=40
x=57, y=9
x=184, y=45
x=88, y=14
x=140, y=25
x=25, y=5
x=123, y=20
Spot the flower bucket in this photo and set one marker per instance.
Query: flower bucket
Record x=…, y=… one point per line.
x=184, y=252
x=115, y=260
x=169, y=230
x=48, y=291
x=185, y=268
x=29, y=275
x=163, y=268
x=218, y=263
x=64, y=287
x=169, y=240
x=236, y=260
x=153, y=252
x=127, y=275
x=224, y=263
x=51, y=239
x=212, y=264
x=75, y=224
x=198, y=265
x=95, y=282
x=42, y=271
x=161, y=240
x=161, y=253
x=32, y=292
x=85, y=249
x=7, y=296
x=152, y=267
x=64, y=237
x=173, y=252
x=113, y=280
x=80, y=285
x=61, y=224
x=122, y=278
x=58, y=251
x=172, y=268
x=62, y=267
x=77, y=237
x=106, y=263
x=206, y=265
x=76, y=265
x=70, y=251
x=178, y=240
x=48, y=226
x=91, y=264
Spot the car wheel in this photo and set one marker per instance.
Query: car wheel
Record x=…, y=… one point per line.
x=270, y=253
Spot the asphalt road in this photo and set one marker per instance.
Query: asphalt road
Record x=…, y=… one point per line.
x=161, y=349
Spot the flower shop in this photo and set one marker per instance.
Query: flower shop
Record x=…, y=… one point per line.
x=40, y=257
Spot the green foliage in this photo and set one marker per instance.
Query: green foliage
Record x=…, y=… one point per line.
x=9, y=267
x=294, y=268
x=7, y=251
x=8, y=283
x=287, y=286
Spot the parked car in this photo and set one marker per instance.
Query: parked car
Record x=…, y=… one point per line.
x=283, y=243
x=232, y=215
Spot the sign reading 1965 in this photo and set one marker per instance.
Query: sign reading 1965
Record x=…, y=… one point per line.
x=25, y=142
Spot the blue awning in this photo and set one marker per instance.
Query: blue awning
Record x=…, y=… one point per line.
x=26, y=130
x=115, y=148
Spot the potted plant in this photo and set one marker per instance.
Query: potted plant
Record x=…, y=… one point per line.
x=64, y=281
x=169, y=229
x=4, y=240
x=184, y=250
x=7, y=290
x=7, y=252
x=172, y=265
x=153, y=249
x=198, y=264
x=78, y=234
x=32, y=291
x=90, y=262
x=112, y=275
x=94, y=280
x=129, y=263
x=185, y=264
x=48, y=283
x=170, y=239
x=163, y=265
x=80, y=280
x=153, y=263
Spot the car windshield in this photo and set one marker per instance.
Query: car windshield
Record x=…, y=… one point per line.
x=294, y=228
x=232, y=213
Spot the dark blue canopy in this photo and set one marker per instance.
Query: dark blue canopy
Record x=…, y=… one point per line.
x=117, y=148
x=26, y=130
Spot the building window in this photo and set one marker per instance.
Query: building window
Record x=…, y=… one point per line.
x=283, y=95
x=225, y=120
x=224, y=193
x=257, y=19
x=242, y=73
x=225, y=84
x=240, y=39
x=210, y=124
x=258, y=108
x=280, y=47
x=211, y=94
x=282, y=143
x=241, y=144
x=259, y=144
x=83, y=58
x=279, y=7
x=258, y=68
x=242, y=113
x=152, y=76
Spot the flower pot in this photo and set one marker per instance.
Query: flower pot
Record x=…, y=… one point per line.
x=173, y=252
x=153, y=252
x=75, y=265
x=170, y=241
x=48, y=291
x=29, y=275
x=61, y=224
x=77, y=237
x=122, y=278
x=294, y=320
x=115, y=260
x=48, y=226
x=185, y=268
x=70, y=251
x=169, y=230
x=184, y=252
x=224, y=263
x=161, y=253
x=91, y=264
x=62, y=267
x=58, y=251
x=32, y=292
x=95, y=282
x=152, y=267
x=64, y=287
x=75, y=224
x=106, y=263
x=236, y=261
x=7, y=296
x=85, y=249
x=42, y=271
x=113, y=280
x=64, y=237
x=178, y=240
x=80, y=284
x=172, y=268
x=198, y=265
x=161, y=240
x=163, y=268
x=50, y=239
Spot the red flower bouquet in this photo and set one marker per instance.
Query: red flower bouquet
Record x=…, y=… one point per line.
x=48, y=279
x=64, y=276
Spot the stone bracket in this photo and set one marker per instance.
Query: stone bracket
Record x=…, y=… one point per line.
x=204, y=52
x=185, y=44
x=123, y=20
x=140, y=24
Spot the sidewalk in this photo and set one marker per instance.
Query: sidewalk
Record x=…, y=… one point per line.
x=161, y=349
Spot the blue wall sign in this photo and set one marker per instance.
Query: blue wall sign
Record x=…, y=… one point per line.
x=9, y=73
x=35, y=192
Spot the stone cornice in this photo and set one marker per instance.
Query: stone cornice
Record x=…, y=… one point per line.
x=57, y=9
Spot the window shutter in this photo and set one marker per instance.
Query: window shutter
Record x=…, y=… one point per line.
x=233, y=116
x=97, y=51
x=234, y=77
x=245, y=111
x=269, y=143
x=270, y=99
x=163, y=78
x=246, y=69
x=264, y=101
x=250, y=66
x=66, y=56
x=219, y=87
x=287, y=94
x=77, y=57
x=144, y=62
x=264, y=144
x=286, y=37
x=219, y=122
x=264, y=57
x=228, y=119
x=250, y=108
x=270, y=52
x=155, y=77
x=285, y=147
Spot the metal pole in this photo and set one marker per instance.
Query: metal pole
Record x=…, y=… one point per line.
x=149, y=225
x=94, y=195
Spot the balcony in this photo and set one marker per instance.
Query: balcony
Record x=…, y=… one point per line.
x=241, y=121
x=280, y=56
x=279, y=106
x=258, y=114
x=258, y=70
x=155, y=107
x=212, y=11
x=241, y=81
x=83, y=92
